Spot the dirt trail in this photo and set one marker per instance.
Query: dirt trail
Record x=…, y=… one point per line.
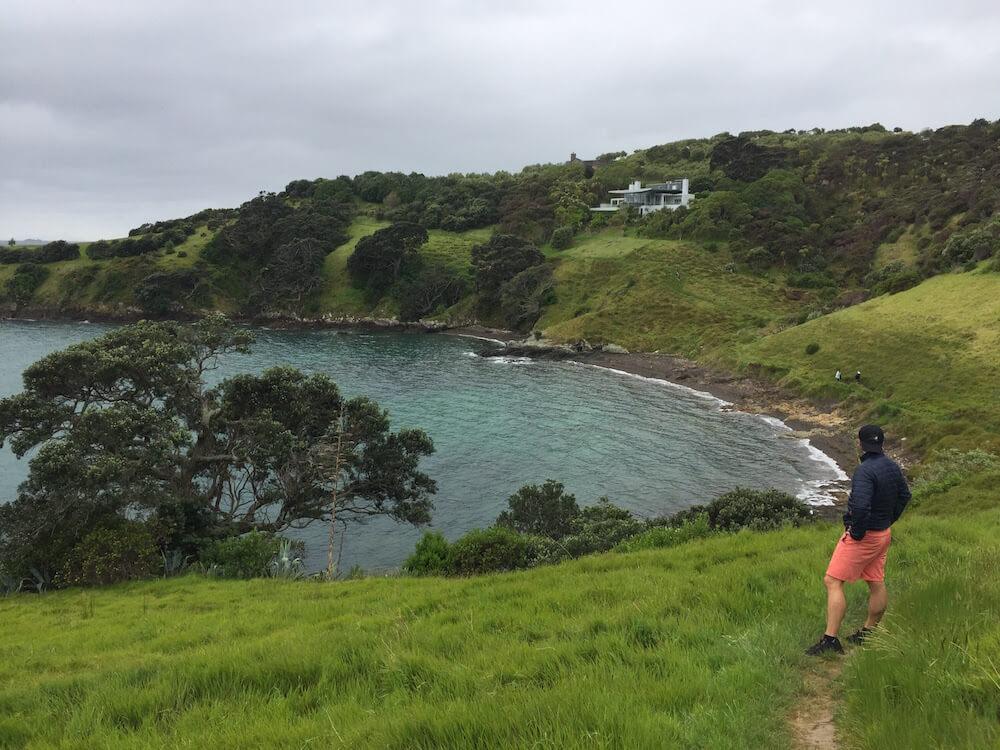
x=811, y=721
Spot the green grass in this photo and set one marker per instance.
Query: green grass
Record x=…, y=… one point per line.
x=340, y=296
x=89, y=284
x=610, y=243
x=929, y=356
x=903, y=250
x=657, y=295
x=698, y=646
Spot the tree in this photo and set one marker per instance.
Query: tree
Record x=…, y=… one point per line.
x=434, y=286
x=378, y=259
x=562, y=237
x=26, y=279
x=544, y=510
x=294, y=271
x=499, y=260
x=164, y=292
x=12, y=242
x=522, y=298
x=126, y=427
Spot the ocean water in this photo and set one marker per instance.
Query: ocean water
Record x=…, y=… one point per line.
x=499, y=423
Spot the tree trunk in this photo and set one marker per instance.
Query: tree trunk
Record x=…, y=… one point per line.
x=331, y=564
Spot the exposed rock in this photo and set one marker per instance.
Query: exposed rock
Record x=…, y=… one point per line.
x=614, y=349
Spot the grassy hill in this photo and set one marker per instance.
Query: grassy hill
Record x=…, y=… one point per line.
x=657, y=295
x=699, y=646
x=929, y=356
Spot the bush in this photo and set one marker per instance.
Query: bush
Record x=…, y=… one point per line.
x=812, y=348
x=562, y=238
x=27, y=277
x=950, y=467
x=598, y=528
x=247, y=556
x=497, y=548
x=810, y=280
x=660, y=537
x=432, y=556
x=761, y=510
x=120, y=553
x=522, y=298
x=544, y=510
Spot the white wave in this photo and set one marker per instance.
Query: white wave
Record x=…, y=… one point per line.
x=511, y=360
x=819, y=492
x=774, y=422
x=820, y=457
x=470, y=354
x=815, y=492
x=660, y=381
x=474, y=336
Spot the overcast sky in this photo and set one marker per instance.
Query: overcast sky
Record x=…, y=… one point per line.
x=115, y=113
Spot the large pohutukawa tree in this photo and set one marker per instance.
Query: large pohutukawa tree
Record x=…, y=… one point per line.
x=126, y=426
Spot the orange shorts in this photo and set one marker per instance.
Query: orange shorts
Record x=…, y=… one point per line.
x=865, y=559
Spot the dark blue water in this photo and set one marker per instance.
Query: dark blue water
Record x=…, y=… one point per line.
x=498, y=424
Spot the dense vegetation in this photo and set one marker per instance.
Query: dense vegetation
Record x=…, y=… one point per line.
x=831, y=217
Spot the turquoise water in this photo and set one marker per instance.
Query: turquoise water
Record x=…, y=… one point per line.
x=500, y=423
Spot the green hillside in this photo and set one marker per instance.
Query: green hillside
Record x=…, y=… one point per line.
x=697, y=646
x=657, y=295
x=930, y=359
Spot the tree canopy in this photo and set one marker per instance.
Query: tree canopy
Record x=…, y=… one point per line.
x=125, y=426
x=378, y=259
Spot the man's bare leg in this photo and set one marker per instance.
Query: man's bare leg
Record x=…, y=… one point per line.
x=836, y=604
x=878, y=600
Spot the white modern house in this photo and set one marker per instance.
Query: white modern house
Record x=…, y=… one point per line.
x=663, y=195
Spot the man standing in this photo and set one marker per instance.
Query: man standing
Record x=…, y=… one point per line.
x=878, y=496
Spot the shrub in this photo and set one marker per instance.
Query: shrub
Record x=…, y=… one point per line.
x=950, y=467
x=741, y=508
x=544, y=510
x=26, y=279
x=973, y=245
x=810, y=280
x=598, y=528
x=812, y=348
x=522, y=298
x=247, y=556
x=660, y=537
x=892, y=278
x=562, y=238
x=287, y=561
x=123, y=552
x=497, y=548
x=432, y=556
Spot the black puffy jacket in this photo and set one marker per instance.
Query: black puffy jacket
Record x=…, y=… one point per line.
x=879, y=495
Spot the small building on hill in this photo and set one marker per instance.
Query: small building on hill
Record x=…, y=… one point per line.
x=662, y=195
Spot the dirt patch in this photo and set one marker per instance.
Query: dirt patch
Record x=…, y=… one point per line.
x=811, y=721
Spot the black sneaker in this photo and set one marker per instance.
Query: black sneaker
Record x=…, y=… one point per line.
x=858, y=637
x=826, y=644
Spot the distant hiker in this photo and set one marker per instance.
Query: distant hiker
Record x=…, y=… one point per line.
x=857, y=376
x=838, y=376
x=878, y=496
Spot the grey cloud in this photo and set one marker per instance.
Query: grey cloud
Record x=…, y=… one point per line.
x=113, y=113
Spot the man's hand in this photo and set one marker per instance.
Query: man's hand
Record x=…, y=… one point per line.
x=856, y=535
